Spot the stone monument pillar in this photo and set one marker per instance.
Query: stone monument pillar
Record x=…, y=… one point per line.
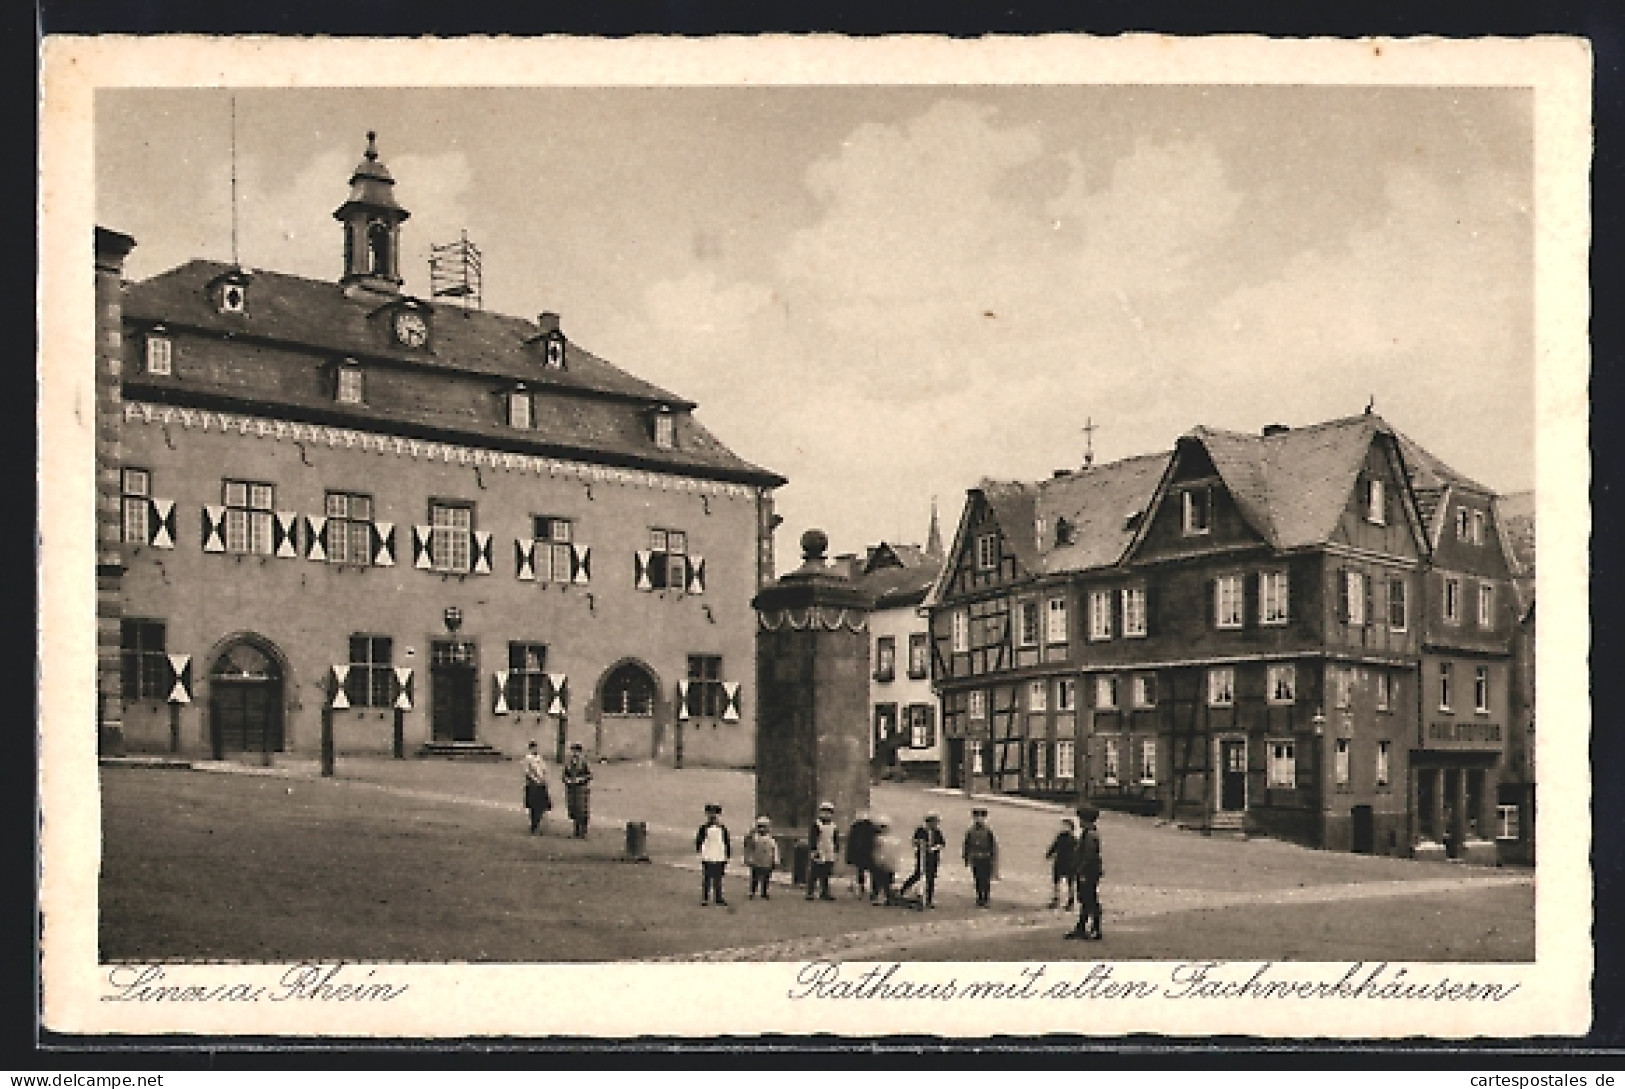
x=812, y=696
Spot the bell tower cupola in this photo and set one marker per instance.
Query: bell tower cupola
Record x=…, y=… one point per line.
x=372, y=225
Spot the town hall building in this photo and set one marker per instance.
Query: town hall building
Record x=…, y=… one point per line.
x=451, y=531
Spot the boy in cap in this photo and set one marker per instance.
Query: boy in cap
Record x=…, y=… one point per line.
x=928, y=845
x=1090, y=872
x=1064, y=864
x=823, y=847
x=761, y=855
x=981, y=854
x=712, y=844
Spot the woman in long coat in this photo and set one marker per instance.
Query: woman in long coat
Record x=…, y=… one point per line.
x=578, y=789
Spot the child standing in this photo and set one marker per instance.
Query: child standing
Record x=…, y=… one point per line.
x=981, y=854
x=712, y=843
x=761, y=855
x=1064, y=867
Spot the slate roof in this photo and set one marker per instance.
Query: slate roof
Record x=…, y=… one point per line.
x=1103, y=505
x=895, y=586
x=595, y=411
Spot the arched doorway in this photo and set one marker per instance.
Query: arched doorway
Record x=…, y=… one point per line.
x=245, y=700
x=628, y=697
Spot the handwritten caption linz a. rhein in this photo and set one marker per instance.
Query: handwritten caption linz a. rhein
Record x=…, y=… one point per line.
x=831, y=981
x=301, y=983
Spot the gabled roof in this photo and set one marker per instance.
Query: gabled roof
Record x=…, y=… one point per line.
x=1014, y=505
x=326, y=317
x=1292, y=486
x=1102, y=505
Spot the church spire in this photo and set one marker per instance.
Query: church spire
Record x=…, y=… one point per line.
x=372, y=225
x=933, y=537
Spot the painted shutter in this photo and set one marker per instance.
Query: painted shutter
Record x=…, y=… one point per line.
x=640, y=571
x=730, y=701
x=383, y=544
x=524, y=559
x=482, y=552
x=500, y=701
x=404, y=689
x=340, y=699
x=214, y=519
x=682, y=701
x=422, y=558
x=559, y=695
x=180, y=672
x=161, y=523
x=580, y=565
x=285, y=535
x=696, y=574
x=316, y=539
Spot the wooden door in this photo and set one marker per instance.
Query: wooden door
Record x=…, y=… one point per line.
x=453, y=710
x=247, y=715
x=1233, y=774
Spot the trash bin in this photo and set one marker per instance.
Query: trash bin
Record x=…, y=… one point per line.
x=798, y=868
x=637, y=841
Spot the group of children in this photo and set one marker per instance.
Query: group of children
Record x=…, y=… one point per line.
x=877, y=856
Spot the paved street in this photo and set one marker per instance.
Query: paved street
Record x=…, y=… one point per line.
x=421, y=860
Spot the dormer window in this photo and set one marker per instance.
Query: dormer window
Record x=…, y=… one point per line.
x=350, y=388
x=519, y=408
x=553, y=352
x=159, y=352
x=665, y=430
x=1063, y=532
x=230, y=291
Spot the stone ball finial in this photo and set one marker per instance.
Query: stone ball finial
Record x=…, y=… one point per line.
x=814, y=543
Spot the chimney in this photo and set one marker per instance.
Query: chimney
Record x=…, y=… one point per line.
x=548, y=322
x=1275, y=429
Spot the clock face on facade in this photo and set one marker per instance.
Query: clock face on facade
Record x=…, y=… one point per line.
x=411, y=330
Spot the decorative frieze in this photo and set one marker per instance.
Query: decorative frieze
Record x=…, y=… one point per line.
x=422, y=449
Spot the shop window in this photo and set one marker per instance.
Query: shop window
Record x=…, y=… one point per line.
x=1065, y=759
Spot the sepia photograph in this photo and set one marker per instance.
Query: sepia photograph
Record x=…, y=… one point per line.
x=1036, y=534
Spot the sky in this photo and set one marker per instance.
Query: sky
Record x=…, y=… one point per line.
x=886, y=294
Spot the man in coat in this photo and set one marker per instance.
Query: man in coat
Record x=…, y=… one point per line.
x=536, y=797
x=860, y=851
x=823, y=848
x=928, y=845
x=1090, y=872
x=981, y=855
x=578, y=789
